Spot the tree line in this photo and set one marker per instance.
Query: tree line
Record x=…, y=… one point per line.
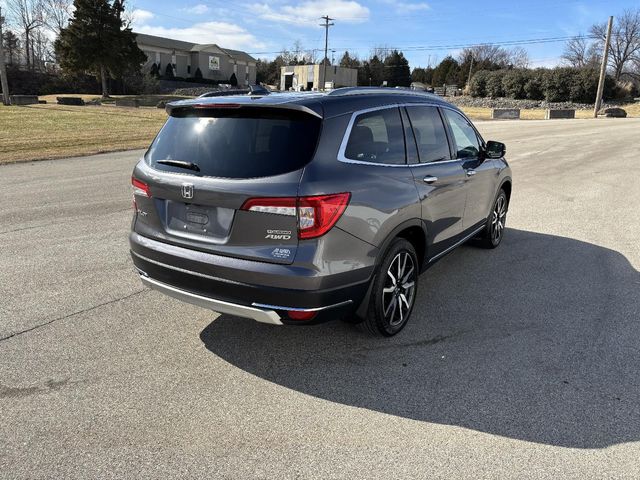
x=383, y=65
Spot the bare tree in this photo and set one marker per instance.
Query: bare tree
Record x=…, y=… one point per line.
x=491, y=54
x=311, y=56
x=624, y=50
x=28, y=15
x=297, y=50
x=580, y=52
x=41, y=51
x=56, y=14
x=519, y=58
x=382, y=52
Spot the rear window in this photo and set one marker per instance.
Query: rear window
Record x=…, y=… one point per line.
x=236, y=143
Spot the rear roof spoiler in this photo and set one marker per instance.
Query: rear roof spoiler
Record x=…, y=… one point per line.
x=222, y=105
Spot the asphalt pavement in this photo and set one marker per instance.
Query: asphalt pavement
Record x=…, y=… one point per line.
x=522, y=361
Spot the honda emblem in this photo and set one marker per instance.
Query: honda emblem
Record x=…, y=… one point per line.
x=187, y=191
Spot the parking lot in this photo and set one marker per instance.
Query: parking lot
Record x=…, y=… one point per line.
x=522, y=361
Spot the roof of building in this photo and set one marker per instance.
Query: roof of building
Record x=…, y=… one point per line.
x=211, y=47
x=239, y=55
x=163, y=42
x=172, y=44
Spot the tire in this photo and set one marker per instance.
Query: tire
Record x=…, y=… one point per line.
x=391, y=302
x=493, y=233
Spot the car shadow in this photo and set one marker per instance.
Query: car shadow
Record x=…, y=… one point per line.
x=538, y=340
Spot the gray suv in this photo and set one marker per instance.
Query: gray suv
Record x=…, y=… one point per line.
x=299, y=208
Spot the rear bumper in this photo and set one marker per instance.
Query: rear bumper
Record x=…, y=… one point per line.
x=256, y=290
x=258, y=314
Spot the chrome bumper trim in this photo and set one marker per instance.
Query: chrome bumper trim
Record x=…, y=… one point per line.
x=293, y=309
x=257, y=314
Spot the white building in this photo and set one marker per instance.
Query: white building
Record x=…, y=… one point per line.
x=214, y=62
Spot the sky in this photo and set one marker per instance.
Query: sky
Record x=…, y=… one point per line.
x=426, y=31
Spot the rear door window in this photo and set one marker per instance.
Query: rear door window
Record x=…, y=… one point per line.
x=430, y=134
x=237, y=143
x=377, y=137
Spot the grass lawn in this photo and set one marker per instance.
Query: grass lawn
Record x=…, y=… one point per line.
x=145, y=100
x=479, y=113
x=38, y=132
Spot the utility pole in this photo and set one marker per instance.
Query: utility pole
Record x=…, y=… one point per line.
x=326, y=26
x=470, y=68
x=3, y=69
x=603, y=69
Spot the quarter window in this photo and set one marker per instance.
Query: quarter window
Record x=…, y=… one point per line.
x=377, y=137
x=429, y=133
x=467, y=144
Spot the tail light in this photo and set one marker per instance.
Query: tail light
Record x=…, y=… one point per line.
x=316, y=214
x=300, y=315
x=140, y=188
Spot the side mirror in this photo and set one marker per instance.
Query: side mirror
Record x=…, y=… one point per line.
x=495, y=149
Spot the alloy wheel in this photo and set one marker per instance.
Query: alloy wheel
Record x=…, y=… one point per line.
x=498, y=219
x=399, y=290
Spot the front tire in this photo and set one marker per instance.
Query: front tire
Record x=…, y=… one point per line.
x=394, y=290
x=492, y=235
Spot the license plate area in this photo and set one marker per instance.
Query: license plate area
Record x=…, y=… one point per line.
x=198, y=222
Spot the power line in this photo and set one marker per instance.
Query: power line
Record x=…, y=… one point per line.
x=531, y=41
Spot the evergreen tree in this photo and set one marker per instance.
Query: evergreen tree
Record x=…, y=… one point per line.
x=233, y=81
x=376, y=71
x=11, y=46
x=448, y=71
x=348, y=61
x=422, y=75
x=96, y=41
x=397, y=72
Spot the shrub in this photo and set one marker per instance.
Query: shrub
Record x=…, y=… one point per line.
x=557, y=84
x=155, y=70
x=198, y=74
x=478, y=84
x=233, y=80
x=494, y=84
x=150, y=84
x=584, y=85
x=168, y=72
x=513, y=84
x=533, y=86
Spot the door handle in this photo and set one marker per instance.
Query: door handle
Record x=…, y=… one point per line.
x=471, y=172
x=429, y=179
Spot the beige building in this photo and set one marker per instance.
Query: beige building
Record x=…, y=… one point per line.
x=215, y=63
x=313, y=77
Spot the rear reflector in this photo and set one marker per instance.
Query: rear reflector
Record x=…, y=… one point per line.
x=298, y=315
x=140, y=188
x=316, y=214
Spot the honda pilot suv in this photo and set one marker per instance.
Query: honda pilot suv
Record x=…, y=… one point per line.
x=298, y=208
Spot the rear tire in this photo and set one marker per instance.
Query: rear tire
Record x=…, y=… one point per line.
x=493, y=232
x=394, y=290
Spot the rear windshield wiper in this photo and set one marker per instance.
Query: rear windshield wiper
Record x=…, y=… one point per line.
x=180, y=164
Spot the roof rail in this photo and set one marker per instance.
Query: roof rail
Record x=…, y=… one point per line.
x=376, y=91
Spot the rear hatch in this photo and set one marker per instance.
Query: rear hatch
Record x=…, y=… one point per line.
x=207, y=166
